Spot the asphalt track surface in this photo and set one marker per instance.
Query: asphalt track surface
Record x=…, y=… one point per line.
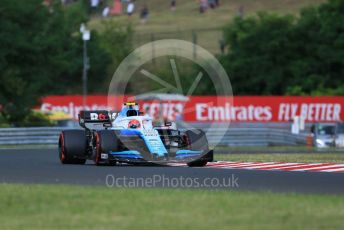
x=42, y=166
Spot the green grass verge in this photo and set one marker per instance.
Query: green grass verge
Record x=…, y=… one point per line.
x=294, y=157
x=74, y=207
x=166, y=24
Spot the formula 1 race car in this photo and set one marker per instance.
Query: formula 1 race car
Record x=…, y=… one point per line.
x=129, y=137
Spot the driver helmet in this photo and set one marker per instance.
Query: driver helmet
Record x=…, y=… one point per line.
x=134, y=124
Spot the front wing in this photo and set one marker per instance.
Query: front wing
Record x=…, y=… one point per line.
x=135, y=157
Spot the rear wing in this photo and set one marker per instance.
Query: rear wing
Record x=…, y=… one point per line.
x=97, y=119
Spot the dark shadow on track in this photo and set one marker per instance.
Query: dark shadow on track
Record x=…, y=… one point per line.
x=44, y=167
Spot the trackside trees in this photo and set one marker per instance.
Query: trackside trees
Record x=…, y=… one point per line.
x=41, y=53
x=278, y=55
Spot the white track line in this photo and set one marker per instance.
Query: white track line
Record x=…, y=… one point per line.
x=321, y=168
x=240, y=165
x=272, y=166
x=275, y=167
x=228, y=163
x=291, y=166
x=334, y=170
x=268, y=166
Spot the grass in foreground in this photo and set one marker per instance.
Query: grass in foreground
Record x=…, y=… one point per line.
x=292, y=158
x=73, y=207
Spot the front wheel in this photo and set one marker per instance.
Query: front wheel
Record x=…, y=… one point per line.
x=200, y=163
x=197, y=140
x=106, y=141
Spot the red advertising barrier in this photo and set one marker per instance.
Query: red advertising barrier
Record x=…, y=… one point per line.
x=212, y=108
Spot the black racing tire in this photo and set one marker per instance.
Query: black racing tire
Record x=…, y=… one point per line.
x=197, y=140
x=106, y=141
x=72, y=147
x=200, y=163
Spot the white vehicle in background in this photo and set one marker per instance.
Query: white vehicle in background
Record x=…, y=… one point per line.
x=328, y=134
x=323, y=135
x=339, y=134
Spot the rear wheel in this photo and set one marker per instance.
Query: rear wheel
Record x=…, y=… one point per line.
x=106, y=141
x=197, y=140
x=72, y=147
